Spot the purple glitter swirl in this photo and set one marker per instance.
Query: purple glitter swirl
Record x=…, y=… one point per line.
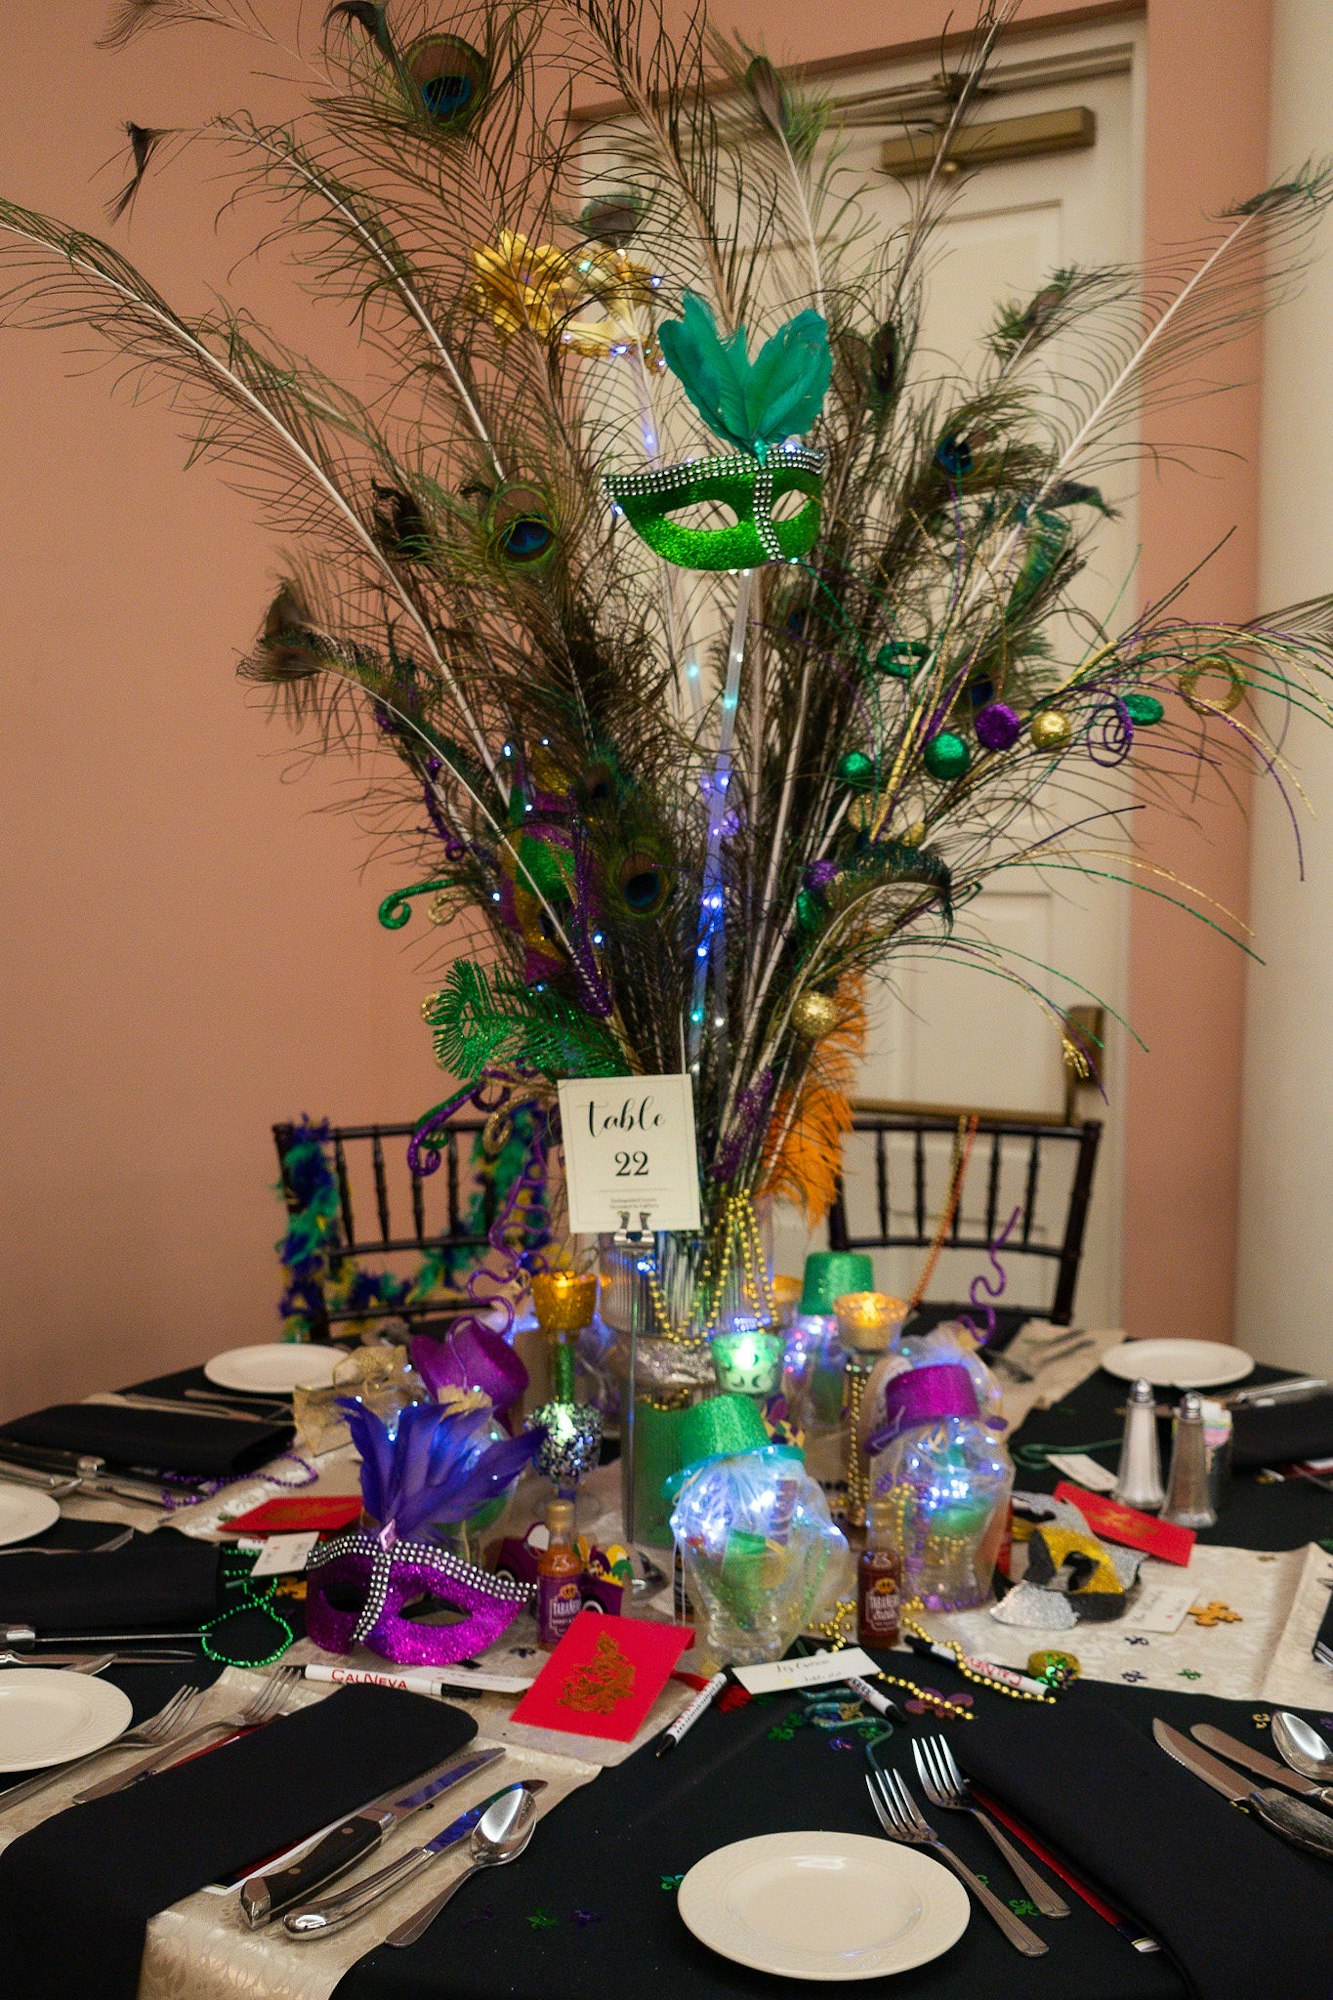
x=1110, y=732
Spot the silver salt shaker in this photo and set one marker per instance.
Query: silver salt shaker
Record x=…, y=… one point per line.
x=1139, y=1480
x=1188, y=1502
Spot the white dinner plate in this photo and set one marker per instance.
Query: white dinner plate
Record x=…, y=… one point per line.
x=1179, y=1364
x=276, y=1368
x=48, y=1716
x=821, y=1906
x=25, y=1512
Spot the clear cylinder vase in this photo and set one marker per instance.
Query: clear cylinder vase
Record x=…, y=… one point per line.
x=657, y=1299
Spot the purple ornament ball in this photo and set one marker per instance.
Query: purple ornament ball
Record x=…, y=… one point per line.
x=820, y=874
x=997, y=727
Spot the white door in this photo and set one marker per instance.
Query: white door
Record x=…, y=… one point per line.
x=940, y=1033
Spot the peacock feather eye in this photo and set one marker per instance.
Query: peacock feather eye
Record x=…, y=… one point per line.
x=453, y=78
x=644, y=885
x=522, y=527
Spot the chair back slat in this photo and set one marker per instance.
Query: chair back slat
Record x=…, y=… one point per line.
x=1022, y=1156
x=381, y=1186
x=1030, y=1192
x=993, y=1188
x=344, y=1190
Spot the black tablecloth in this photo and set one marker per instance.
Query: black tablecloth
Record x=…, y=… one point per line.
x=77, y=1892
x=591, y=1911
x=167, y=1441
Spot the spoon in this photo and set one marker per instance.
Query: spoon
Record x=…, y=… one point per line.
x=501, y=1835
x=1302, y=1748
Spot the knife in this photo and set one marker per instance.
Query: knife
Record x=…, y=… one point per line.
x=23, y=1639
x=1299, y=1386
x=1300, y=1824
x=1255, y=1760
x=81, y=1467
x=316, y=1920
x=264, y=1897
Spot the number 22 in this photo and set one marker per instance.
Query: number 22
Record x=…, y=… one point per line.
x=631, y=1164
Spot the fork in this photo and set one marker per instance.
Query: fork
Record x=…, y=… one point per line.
x=946, y=1787
x=1059, y=1350
x=159, y=1728
x=901, y=1819
x=265, y=1707
x=97, y=1548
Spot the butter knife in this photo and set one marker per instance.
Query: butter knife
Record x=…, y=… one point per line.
x=264, y=1897
x=1301, y=1825
x=1255, y=1760
x=316, y=1920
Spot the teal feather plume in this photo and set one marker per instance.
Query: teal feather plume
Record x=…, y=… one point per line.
x=750, y=404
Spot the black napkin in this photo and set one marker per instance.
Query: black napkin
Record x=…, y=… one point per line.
x=203, y=1447
x=78, y=1892
x=1283, y=1433
x=155, y=1582
x=1244, y=1916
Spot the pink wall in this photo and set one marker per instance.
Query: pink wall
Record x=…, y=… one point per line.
x=190, y=950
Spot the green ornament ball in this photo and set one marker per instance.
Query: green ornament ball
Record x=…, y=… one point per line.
x=946, y=756
x=857, y=770
x=1143, y=710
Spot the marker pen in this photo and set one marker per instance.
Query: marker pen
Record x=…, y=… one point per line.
x=688, y=1716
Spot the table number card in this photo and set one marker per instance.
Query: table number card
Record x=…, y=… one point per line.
x=631, y=1159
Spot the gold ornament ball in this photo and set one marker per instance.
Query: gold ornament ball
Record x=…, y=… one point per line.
x=815, y=1015
x=1050, y=730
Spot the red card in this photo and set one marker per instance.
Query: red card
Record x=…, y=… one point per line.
x=1118, y=1523
x=604, y=1676
x=289, y=1517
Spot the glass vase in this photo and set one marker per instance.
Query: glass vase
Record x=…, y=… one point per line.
x=658, y=1300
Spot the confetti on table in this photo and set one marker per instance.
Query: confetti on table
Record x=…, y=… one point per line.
x=1189, y=1674
x=585, y=1917
x=542, y=1920
x=1215, y=1613
x=1133, y=1674
x=1134, y=1639
x=672, y=1882
x=1261, y=1718
x=1023, y=1906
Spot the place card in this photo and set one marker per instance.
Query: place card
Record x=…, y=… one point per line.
x=1085, y=1471
x=823, y=1669
x=631, y=1157
x=1159, y=1607
x=284, y=1555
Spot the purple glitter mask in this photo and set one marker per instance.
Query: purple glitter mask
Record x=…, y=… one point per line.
x=387, y=1579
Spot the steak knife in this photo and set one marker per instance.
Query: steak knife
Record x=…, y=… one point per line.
x=1296, y=1822
x=264, y=1897
x=1255, y=1760
x=316, y=1920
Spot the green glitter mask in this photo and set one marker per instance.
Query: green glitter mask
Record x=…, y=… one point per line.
x=748, y=485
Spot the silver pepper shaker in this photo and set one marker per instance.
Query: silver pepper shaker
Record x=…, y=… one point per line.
x=1188, y=1504
x=1139, y=1480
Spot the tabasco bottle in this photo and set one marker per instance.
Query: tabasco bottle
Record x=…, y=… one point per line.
x=559, y=1597
x=878, y=1580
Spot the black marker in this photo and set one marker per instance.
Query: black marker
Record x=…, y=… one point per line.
x=687, y=1718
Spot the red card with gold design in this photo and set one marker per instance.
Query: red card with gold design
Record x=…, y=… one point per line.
x=1115, y=1522
x=604, y=1676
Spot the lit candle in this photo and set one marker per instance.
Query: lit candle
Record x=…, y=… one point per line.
x=869, y=1321
x=748, y=1360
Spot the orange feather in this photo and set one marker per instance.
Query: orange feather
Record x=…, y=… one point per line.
x=805, y=1167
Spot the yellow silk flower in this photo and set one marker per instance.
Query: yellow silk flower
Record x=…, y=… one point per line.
x=520, y=284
